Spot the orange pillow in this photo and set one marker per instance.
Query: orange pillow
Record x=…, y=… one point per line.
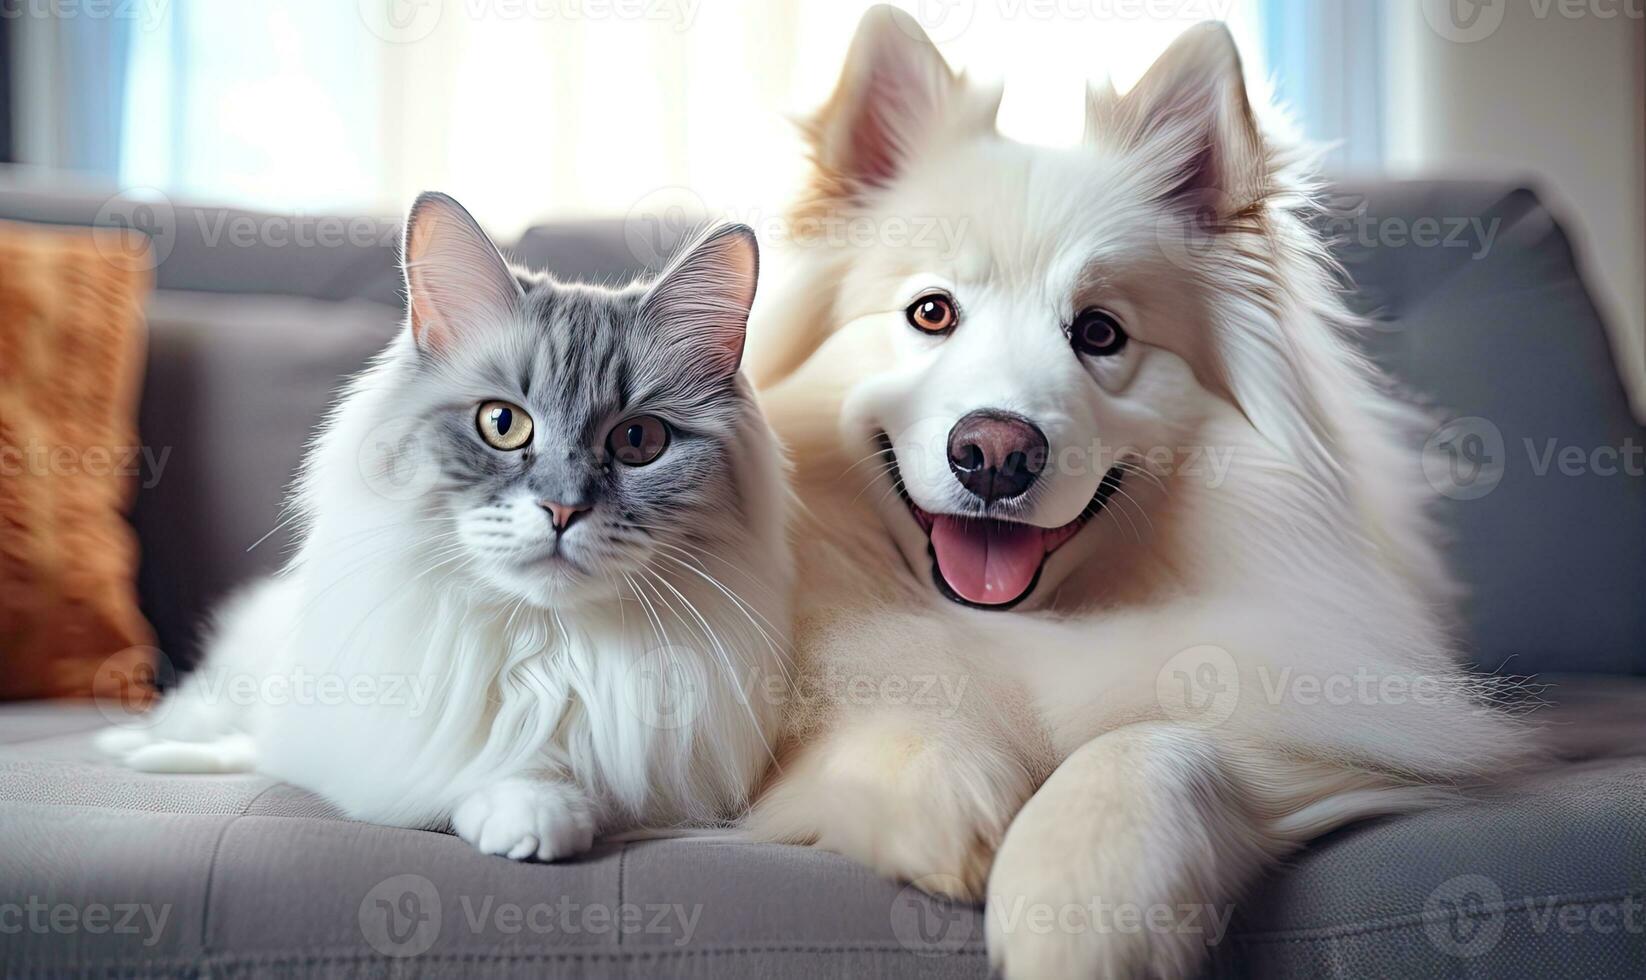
x=71, y=361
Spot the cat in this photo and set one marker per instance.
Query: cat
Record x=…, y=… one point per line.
x=542, y=587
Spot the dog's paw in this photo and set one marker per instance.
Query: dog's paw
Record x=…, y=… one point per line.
x=895, y=795
x=1056, y=913
x=526, y=818
x=1053, y=922
x=1119, y=866
x=947, y=854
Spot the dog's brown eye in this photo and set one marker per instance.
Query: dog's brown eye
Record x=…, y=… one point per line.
x=1096, y=333
x=638, y=440
x=933, y=313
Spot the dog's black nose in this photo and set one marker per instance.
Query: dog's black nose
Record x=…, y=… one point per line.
x=996, y=455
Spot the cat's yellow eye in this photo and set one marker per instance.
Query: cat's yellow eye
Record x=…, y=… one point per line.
x=504, y=426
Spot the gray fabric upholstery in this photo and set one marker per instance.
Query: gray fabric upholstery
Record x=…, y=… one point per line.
x=254, y=877
x=1505, y=332
x=234, y=387
x=229, y=250
x=1536, y=879
x=587, y=251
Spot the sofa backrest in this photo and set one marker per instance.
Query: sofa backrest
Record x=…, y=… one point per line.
x=1477, y=306
x=231, y=250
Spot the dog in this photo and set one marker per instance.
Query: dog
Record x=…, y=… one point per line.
x=1117, y=584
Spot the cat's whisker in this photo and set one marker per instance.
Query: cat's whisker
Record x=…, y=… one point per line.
x=725, y=658
x=704, y=556
x=743, y=607
x=651, y=614
x=699, y=559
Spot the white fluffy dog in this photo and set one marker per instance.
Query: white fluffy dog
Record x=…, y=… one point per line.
x=1124, y=405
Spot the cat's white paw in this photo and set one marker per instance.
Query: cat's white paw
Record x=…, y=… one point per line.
x=120, y=741
x=526, y=818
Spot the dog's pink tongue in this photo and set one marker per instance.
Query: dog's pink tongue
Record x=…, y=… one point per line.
x=987, y=562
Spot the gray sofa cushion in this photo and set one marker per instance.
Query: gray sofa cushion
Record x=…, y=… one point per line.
x=1495, y=326
x=234, y=387
x=254, y=877
x=1543, y=874
x=224, y=249
x=585, y=251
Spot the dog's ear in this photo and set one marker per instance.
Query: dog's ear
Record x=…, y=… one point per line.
x=1190, y=111
x=895, y=94
x=455, y=277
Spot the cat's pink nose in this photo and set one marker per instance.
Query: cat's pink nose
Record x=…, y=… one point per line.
x=561, y=514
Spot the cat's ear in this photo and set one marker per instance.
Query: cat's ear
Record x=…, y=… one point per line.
x=456, y=279
x=702, y=300
x=1190, y=112
x=896, y=95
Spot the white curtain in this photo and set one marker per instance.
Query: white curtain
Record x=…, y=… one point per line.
x=529, y=109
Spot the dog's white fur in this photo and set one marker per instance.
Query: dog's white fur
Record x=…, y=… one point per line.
x=1134, y=734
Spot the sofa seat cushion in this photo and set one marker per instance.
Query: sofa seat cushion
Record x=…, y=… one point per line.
x=1543, y=876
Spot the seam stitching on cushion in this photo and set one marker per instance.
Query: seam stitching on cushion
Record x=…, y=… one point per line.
x=186, y=813
x=211, y=867
x=631, y=953
x=622, y=862
x=228, y=960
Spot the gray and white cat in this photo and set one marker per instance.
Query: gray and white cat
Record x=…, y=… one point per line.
x=543, y=585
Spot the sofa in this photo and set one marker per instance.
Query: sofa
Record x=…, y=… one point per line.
x=1541, y=874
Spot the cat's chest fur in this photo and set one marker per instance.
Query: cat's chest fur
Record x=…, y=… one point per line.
x=656, y=703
